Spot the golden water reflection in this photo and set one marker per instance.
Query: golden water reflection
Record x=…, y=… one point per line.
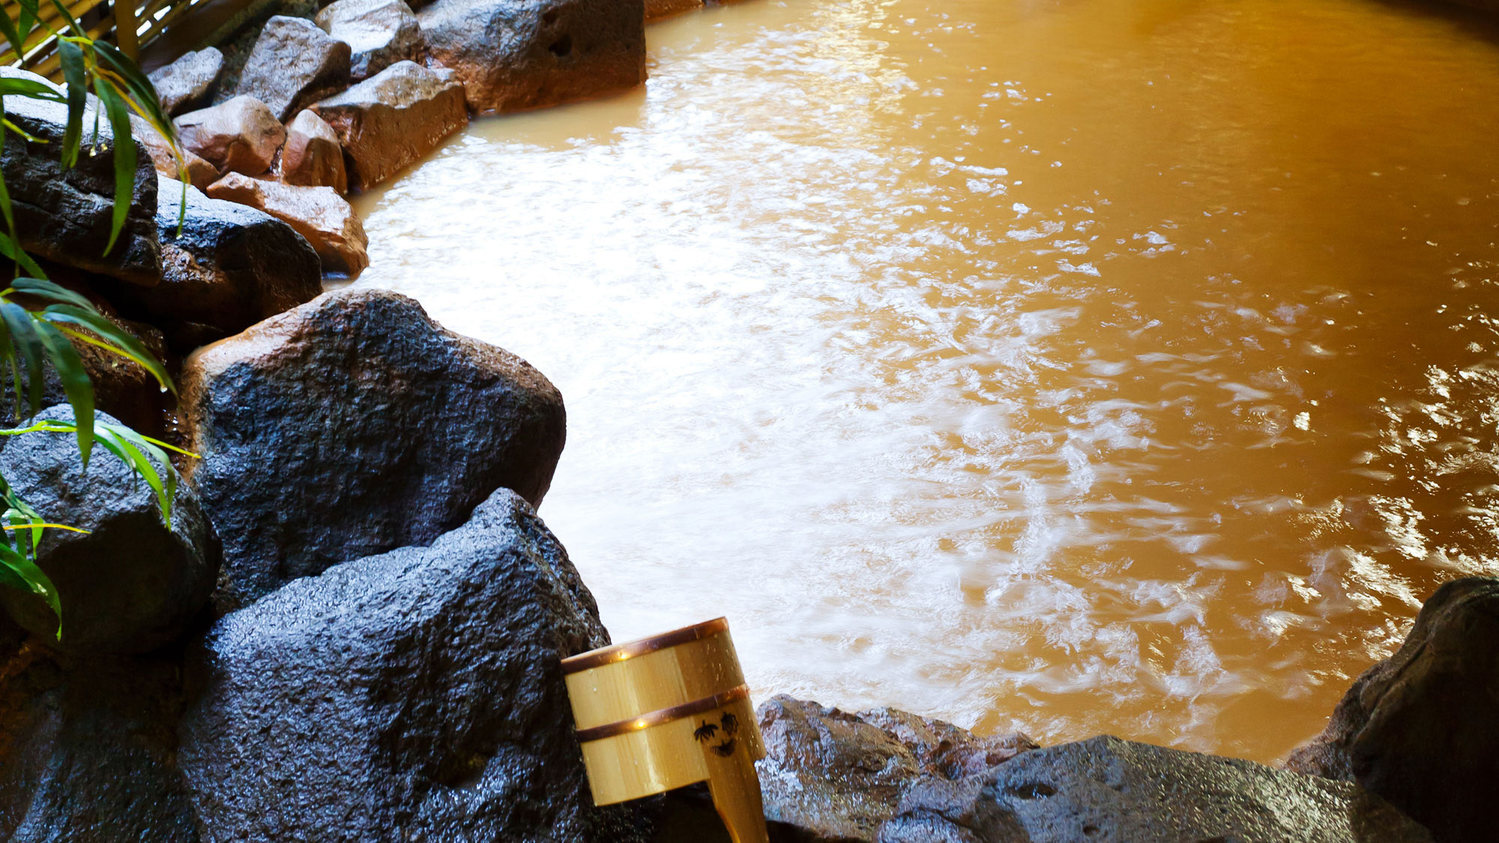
x=1072, y=366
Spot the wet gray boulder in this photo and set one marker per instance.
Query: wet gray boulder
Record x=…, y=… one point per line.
x=188, y=83
x=131, y=583
x=412, y=695
x=1420, y=727
x=87, y=750
x=66, y=215
x=834, y=776
x=379, y=33
x=292, y=65
x=353, y=425
x=393, y=119
x=229, y=267
x=1107, y=789
x=513, y=55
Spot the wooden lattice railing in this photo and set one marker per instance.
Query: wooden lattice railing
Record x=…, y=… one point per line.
x=129, y=24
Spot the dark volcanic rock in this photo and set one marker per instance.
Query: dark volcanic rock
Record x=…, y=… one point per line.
x=837, y=776
x=128, y=585
x=240, y=135
x=519, y=54
x=352, y=425
x=188, y=83
x=319, y=214
x=1107, y=789
x=293, y=64
x=414, y=695
x=88, y=753
x=392, y=119
x=380, y=33
x=313, y=155
x=231, y=267
x=1420, y=727
x=65, y=216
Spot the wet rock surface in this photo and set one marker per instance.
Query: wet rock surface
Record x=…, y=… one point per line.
x=129, y=584
x=240, y=135
x=379, y=32
x=230, y=267
x=833, y=775
x=292, y=65
x=414, y=695
x=66, y=215
x=352, y=425
x=513, y=55
x=319, y=214
x=658, y=9
x=1107, y=789
x=312, y=155
x=188, y=83
x=199, y=172
x=89, y=747
x=1419, y=728
x=393, y=119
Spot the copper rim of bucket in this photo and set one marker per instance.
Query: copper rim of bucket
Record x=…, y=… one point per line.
x=662, y=715
x=631, y=649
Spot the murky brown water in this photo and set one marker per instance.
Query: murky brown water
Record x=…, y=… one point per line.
x=1075, y=366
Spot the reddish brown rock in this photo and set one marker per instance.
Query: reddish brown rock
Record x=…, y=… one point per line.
x=240, y=135
x=312, y=155
x=1419, y=728
x=319, y=214
x=657, y=9
x=380, y=33
x=513, y=55
x=392, y=119
x=187, y=83
x=199, y=172
x=294, y=64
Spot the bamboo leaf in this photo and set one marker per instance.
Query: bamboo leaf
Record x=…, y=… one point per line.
x=29, y=350
x=75, y=382
x=8, y=29
x=137, y=88
x=74, y=74
x=124, y=157
x=32, y=578
x=110, y=337
x=26, y=22
x=49, y=291
x=17, y=255
x=72, y=21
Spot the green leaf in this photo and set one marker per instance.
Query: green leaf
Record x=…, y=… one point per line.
x=72, y=21
x=8, y=29
x=31, y=578
x=134, y=450
x=27, y=20
x=49, y=291
x=74, y=74
x=5, y=209
x=29, y=350
x=17, y=255
x=110, y=337
x=124, y=157
x=75, y=382
x=137, y=88
x=30, y=88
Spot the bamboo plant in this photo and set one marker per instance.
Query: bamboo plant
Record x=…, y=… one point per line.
x=40, y=320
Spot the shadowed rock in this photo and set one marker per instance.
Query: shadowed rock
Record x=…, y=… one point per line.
x=238, y=135
x=391, y=120
x=1106, y=789
x=1419, y=728
x=131, y=583
x=379, y=32
x=292, y=65
x=352, y=425
x=513, y=55
x=230, y=267
x=188, y=83
x=312, y=155
x=319, y=214
x=413, y=695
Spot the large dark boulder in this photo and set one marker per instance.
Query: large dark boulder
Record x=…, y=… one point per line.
x=228, y=268
x=66, y=215
x=393, y=119
x=413, y=695
x=837, y=776
x=189, y=82
x=380, y=33
x=353, y=425
x=1106, y=789
x=88, y=750
x=131, y=583
x=520, y=54
x=1420, y=728
x=292, y=65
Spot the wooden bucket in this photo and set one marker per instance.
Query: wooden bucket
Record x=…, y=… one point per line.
x=668, y=711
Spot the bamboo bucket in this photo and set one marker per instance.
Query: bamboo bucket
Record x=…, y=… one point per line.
x=668, y=711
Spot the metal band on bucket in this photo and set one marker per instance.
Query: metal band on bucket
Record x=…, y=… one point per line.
x=621, y=652
x=663, y=715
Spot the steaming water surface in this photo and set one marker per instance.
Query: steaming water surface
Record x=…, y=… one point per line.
x=1063, y=365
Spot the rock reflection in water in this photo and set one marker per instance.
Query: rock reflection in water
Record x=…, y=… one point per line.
x=1108, y=365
